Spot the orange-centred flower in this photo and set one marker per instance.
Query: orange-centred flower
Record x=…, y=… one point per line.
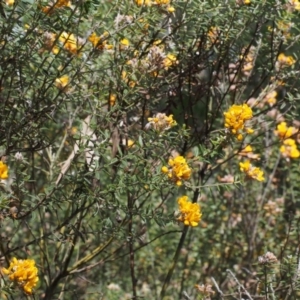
x=3, y=170
x=24, y=273
x=190, y=213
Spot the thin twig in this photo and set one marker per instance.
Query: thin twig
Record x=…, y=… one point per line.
x=239, y=284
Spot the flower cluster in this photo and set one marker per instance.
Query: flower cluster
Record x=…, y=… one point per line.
x=161, y=122
x=3, y=170
x=285, y=28
x=190, y=213
x=165, y=3
x=284, y=132
x=155, y=60
x=247, y=59
x=127, y=80
x=268, y=258
x=235, y=119
x=100, y=42
x=295, y=4
x=205, y=290
x=24, y=273
x=179, y=170
x=251, y=171
x=213, y=35
x=57, y=4
x=274, y=208
x=169, y=61
x=284, y=61
x=288, y=148
x=270, y=98
x=70, y=43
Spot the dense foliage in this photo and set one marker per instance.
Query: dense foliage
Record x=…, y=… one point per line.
x=149, y=149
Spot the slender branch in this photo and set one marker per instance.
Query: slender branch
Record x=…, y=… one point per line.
x=130, y=243
x=175, y=260
x=177, y=253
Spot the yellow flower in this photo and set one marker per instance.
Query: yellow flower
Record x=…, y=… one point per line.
x=100, y=42
x=248, y=152
x=143, y=2
x=285, y=28
x=57, y=4
x=284, y=132
x=213, y=35
x=10, y=2
x=235, y=119
x=170, y=9
x=70, y=43
x=179, y=170
x=3, y=170
x=190, y=212
x=130, y=143
x=124, y=44
x=112, y=99
x=162, y=2
x=62, y=3
x=165, y=169
x=161, y=122
x=248, y=149
x=169, y=61
x=94, y=39
x=289, y=149
x=62, y=82
x=130, y=83
x=284, y=61
x=24, y=273
x=295, y=4
x=252, y=172
x=247, y=2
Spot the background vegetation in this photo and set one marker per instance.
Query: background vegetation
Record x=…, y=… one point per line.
x=86, y=197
